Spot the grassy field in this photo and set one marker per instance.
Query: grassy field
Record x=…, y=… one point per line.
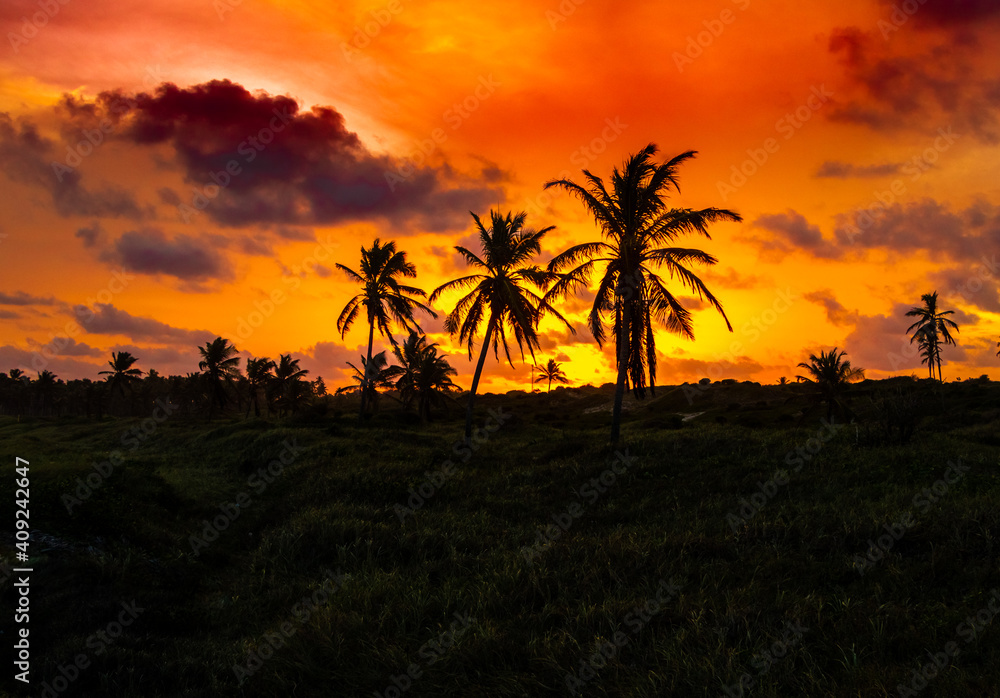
x=740, y=546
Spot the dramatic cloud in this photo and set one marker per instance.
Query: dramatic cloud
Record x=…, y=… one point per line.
x=104, y=318
x=975, y=286
x=149, y=251
x=256, y=158
x=793, y=232
x=942, y=78
x=928, y=226
x=66, y=346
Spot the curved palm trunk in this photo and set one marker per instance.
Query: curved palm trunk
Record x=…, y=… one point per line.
x=549, y=390
x=368, y=364
x=623, y=342
x=475, y=379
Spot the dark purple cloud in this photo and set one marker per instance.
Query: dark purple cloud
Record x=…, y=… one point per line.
x=846, y=170
x=793, y=232
x=104, y=318
x=836, y=313
x=22, y=298
x=149, y=251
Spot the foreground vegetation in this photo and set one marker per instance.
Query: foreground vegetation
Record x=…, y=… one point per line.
x=507, y=571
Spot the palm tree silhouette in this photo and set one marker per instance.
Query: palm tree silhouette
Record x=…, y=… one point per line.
x=499, y=294
x=782, y=381
x=121, y=373
x=635, y=221
x=221, y=365
x=43, y=387
x=831, y=375
x=259, y=373
x=553, y=372
x=370, y=378
x=422, y=375
x=288, y=380
x=930, y=329
x=385, y=300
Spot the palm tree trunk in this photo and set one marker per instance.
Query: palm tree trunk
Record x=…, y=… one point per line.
x=475, y=379
x=368, y=364
x=623, y=341
x=550, y=386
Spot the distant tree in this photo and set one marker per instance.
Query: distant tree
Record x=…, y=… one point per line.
x=552, y=371
x=220, y=364
x=422, y=376
x=259, y=374
x=499, y=293
x=122, y=374
x=370, y=379
x=385, y=301
x=782, y=381
x=288, y=379
x=930, y=330
x=831, y=375
x=319, y=387
x=43, y=387
x=636, y=224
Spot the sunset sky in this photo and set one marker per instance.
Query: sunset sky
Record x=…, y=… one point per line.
x=858, y=140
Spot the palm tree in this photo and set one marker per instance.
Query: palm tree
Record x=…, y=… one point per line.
x=499, y=294
x=259, y=373
x=121, y=373
x=930, y=329
x=370, y=378
x=831, y=375
x=288, y=380
x=220, y=364
x=553, y=372
x=635, y=222
x=43, y=387
x=422, y=375
x=385, y=300
x=782, y=381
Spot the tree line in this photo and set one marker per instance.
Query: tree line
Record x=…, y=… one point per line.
x=505, y=297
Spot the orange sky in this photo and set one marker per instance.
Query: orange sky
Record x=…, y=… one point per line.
x=827, y=110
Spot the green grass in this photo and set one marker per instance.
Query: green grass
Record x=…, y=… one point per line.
x=664, y=520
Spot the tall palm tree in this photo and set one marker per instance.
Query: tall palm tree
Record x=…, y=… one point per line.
x=782, y=381
x=43, y=387
x=553, y=372
x=220, y=363
x=384, y=299
x=831, y=375
x=259, y=373
x=370, y=378
x=422, y=375
x=121, y=373
x=930, y=330
x=288, y=381
x=636, y=222
x=499, y=294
